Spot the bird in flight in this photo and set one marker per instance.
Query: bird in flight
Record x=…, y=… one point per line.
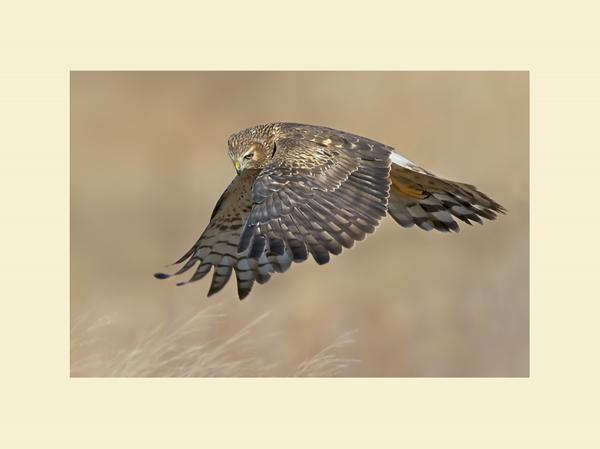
x=305, y=190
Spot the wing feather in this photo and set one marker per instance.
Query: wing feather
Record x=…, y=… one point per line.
x=336, y=197
x=217, y=246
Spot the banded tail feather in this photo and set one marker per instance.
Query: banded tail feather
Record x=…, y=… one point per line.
x=420, y=198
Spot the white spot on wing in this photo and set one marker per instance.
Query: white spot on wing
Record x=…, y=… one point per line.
x=403, y=162
x=400, y=160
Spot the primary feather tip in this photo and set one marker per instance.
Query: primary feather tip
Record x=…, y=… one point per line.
x=162, y=275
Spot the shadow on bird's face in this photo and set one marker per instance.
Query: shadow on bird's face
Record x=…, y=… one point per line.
x=253, y=156
x=251, y=149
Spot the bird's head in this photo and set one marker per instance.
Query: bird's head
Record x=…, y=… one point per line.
x=252, y=148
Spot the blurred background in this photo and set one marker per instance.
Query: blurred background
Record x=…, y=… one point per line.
x=148, y=163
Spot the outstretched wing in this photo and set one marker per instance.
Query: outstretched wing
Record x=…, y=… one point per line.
x=217, y=246
x=322, y=191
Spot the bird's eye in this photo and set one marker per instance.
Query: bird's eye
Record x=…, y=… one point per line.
x=249, y=156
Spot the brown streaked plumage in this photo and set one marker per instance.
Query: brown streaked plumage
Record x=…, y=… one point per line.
x=308, y=190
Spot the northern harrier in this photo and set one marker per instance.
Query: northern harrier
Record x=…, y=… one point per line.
x=303, y=189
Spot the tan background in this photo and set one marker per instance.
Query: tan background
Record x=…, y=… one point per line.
x=148, y=163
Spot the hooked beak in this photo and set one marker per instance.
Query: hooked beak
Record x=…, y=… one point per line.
x=238, y=167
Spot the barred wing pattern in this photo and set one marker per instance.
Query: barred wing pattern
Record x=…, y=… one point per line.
x=217, y=246
x=322, y=191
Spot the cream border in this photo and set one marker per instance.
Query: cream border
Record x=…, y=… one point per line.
x=42, y=407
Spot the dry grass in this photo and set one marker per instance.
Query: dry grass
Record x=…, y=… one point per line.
x=326, y=363
x=186, y=348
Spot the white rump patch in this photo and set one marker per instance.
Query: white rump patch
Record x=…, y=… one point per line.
x=401, y=160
